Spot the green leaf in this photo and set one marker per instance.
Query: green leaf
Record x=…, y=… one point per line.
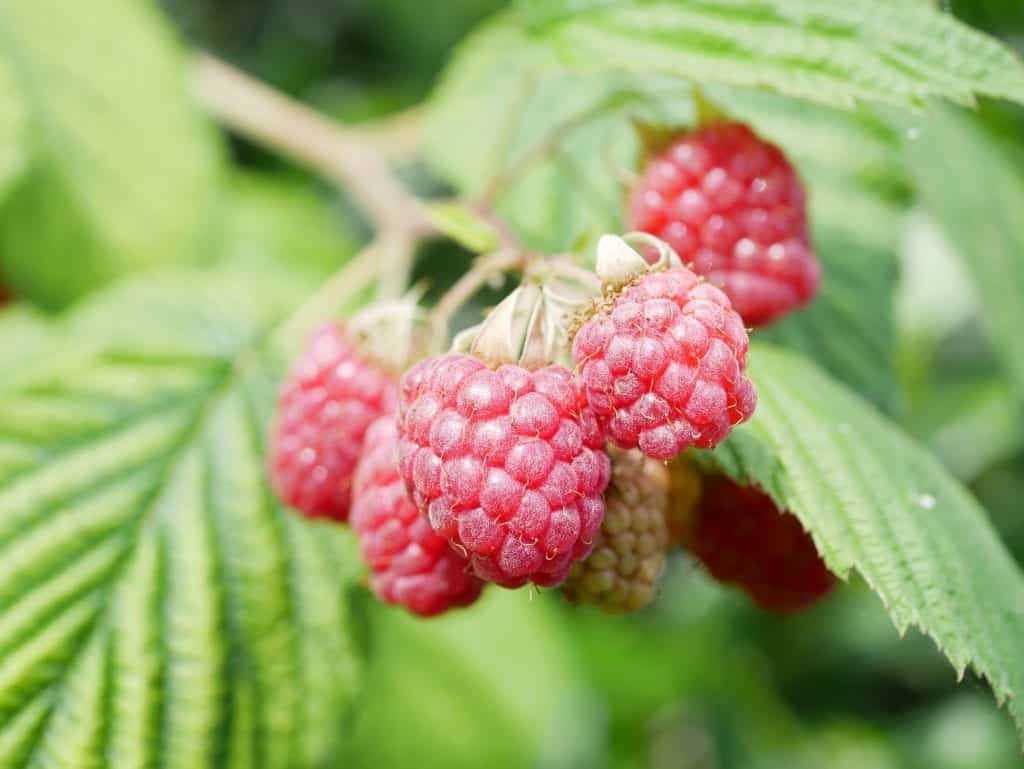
x=465, y=226
x=278, y=222
x=877, y=503
x=13, y=128
x=120, y=169
x=498, y=682
x=156, y=604
x=849, y=328
x=975, y=194
x=28, y=337
x=549, y=147
x=835, y=52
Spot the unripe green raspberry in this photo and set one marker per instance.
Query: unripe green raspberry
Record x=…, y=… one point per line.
x=624, y=570
x=684, y=492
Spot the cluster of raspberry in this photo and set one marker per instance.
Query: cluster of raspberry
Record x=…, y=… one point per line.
x=497, y=464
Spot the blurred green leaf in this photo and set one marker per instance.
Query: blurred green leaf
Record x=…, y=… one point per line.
x=463, y=225
x=835, y=52
x=547, y=145
x=936, y=295
x=961, y=733
x=877, y=503
x=970, y=421
x=120, y=169
x=494, y=685
x=849, y=328
x=27, y=339
x=272, y=221
x=975, y=193
x=13, y=131
x=158, y=605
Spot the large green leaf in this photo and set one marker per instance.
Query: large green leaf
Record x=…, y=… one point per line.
x=496, y=684
x=156, y=604
x=121, y=170
x=877, y=503
x=278, y=222
x=836, y=52
x=975, y=194
x=510, y=122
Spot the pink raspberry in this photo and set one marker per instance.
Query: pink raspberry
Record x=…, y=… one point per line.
x=508, y=465
x=662, y=364
x=734, y=209
x=409, y=564
x=330, y=398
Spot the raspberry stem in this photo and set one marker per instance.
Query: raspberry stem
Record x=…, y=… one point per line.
x=260, y=113
x=353, y=278
x=484, y=269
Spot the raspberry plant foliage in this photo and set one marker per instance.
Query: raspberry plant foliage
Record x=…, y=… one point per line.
x=156, y=599
x=120, y=188
x=136, y=515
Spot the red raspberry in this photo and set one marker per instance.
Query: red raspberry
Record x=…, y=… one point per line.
x=662, y=364
x=329, y=400
x=733, y=208
x=409, y=564
x=509, y=465
x=743, y=539
x=5, y=295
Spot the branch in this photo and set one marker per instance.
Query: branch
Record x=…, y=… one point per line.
x=484, y=269
x=258, y=112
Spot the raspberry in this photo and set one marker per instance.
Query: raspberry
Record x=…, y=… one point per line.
x=409, y=564
x=733, y=208
x=5, y=295
x=623, y=573
x=683, y=495
x=508, y=464
x=329, y=400
x=743, y=539
x=662, y=364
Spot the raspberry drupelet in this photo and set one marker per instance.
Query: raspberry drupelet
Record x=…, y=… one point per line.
x=409, y=564
x=662, y=364
x=735, y=211
x=743, y=539
x=507, y=464
x=331, y=397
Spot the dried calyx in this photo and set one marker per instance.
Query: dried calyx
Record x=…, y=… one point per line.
x=394, y=334
x=530, y=327
x=619, y=263
x=534, y=325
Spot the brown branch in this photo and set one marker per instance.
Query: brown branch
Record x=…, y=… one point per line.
x=346, y=157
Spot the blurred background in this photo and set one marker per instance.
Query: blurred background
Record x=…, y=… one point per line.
x=702, y=680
